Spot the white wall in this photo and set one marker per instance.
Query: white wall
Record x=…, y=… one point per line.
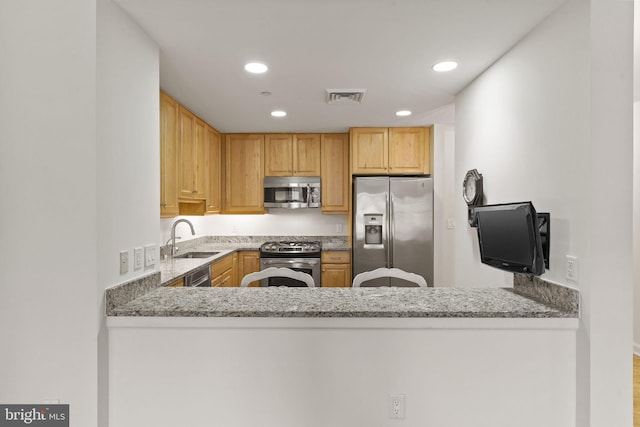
x=278, y=222
x=128, y=157
x=636, y=223
x=444, y=204
x=636, y=178
x=551, y=122
x=48, y=224
x=312, y=372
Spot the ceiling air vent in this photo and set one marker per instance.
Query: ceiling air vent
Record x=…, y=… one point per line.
x=345, y=95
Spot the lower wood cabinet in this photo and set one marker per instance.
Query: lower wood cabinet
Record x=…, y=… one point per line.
x=176, y=283
x=248, y=262
x=336, y=269
x=223, y=273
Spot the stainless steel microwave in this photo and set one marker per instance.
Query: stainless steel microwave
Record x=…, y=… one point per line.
x=292, y=192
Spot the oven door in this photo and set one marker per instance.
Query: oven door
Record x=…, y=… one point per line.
x=306, y=265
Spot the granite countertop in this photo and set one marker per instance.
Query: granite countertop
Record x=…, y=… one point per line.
x=172, y=269
x=338, y=302
x=531, y=297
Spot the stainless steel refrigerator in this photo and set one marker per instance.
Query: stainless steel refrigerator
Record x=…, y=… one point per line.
x=393, y=227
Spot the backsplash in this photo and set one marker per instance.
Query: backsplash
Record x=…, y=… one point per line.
x=328, y=242
x=536, y=288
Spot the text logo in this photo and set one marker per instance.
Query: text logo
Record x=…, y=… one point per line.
x=34, y=415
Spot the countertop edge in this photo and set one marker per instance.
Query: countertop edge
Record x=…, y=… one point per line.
x=557, y=323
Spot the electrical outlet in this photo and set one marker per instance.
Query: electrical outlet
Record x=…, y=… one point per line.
x=149, y=256
x=137, y=258
x=124, y=262
x=338, y=228
x=396, y=406
x=572, y=268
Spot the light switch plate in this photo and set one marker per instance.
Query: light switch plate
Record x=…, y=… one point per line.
x=137, y=258
x=124, y=262
x=149, y=256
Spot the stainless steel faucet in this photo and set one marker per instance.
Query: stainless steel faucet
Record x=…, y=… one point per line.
x=173, y=234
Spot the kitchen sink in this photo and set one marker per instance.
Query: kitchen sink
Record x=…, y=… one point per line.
x=196, y=255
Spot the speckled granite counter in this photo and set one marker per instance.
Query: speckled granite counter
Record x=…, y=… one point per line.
x=173, y=269
x=338, y=302
x=148, y=297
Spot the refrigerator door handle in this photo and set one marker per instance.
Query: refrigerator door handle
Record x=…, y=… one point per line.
x=391, y=232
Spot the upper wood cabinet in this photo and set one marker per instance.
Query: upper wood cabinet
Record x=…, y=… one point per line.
x=192, y=174
x=213, y=170
x=393, y=151
x=369, y=150
x=292, y=155
x=168, y=156
x=335, y=173
x=409, y=151
x=244, y=173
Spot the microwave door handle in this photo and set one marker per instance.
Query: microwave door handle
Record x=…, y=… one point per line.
x=308, y=198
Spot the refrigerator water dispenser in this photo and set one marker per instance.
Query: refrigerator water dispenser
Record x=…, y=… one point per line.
x=373, y=230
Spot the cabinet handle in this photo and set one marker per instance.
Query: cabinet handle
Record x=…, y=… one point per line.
x=163, y=204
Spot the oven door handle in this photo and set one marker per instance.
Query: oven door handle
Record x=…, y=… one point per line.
x=305, y=261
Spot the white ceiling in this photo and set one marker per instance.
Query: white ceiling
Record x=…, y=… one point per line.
x=384, y=46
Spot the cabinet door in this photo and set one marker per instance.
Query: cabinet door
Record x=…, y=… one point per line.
x=169, y=136
x=336, y=269
x=244, y=173
x=369, y=150
x=408, y=151
x=213, y=157
x=335, y=173
x=187, y=137
x=249, y=262
x=336, y=276
x=306, y=154
x=199, y=159
x=278, y=149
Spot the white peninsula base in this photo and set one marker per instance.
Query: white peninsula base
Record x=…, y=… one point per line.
x=339, y=372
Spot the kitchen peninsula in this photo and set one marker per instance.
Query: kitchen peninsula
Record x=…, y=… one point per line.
x=316, y=357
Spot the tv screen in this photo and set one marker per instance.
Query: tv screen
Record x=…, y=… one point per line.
x=509, y=237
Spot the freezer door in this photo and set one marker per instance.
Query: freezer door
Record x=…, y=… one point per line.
x=411, y=227
x=370, y=226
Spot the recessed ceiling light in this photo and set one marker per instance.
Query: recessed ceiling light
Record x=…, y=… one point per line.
x=278, y=113
x=256, y=67
x=403, y=113
x=445, y=66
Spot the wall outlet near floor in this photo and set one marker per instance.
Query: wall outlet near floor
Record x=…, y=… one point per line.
x=396, y=406
x=572, y=268
x=124, y=262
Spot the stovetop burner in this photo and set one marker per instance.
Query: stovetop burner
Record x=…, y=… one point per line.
x=291, y=247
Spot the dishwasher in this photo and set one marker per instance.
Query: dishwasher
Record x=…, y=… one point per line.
x=199, y=278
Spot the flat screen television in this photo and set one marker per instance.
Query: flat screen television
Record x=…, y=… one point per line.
x=509, y=237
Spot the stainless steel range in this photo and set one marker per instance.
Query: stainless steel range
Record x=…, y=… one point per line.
x=299, y=256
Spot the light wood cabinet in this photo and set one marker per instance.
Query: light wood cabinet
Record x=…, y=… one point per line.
x=292, y=154
x=176, y=284
x=213, y=171
x=409, y=151
x=168, y=156
x=336, y=269
x=244, y=173
x=192, y=156
x=248, y=262
x=392, y=151
x=334, y=175
x=223, y=273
